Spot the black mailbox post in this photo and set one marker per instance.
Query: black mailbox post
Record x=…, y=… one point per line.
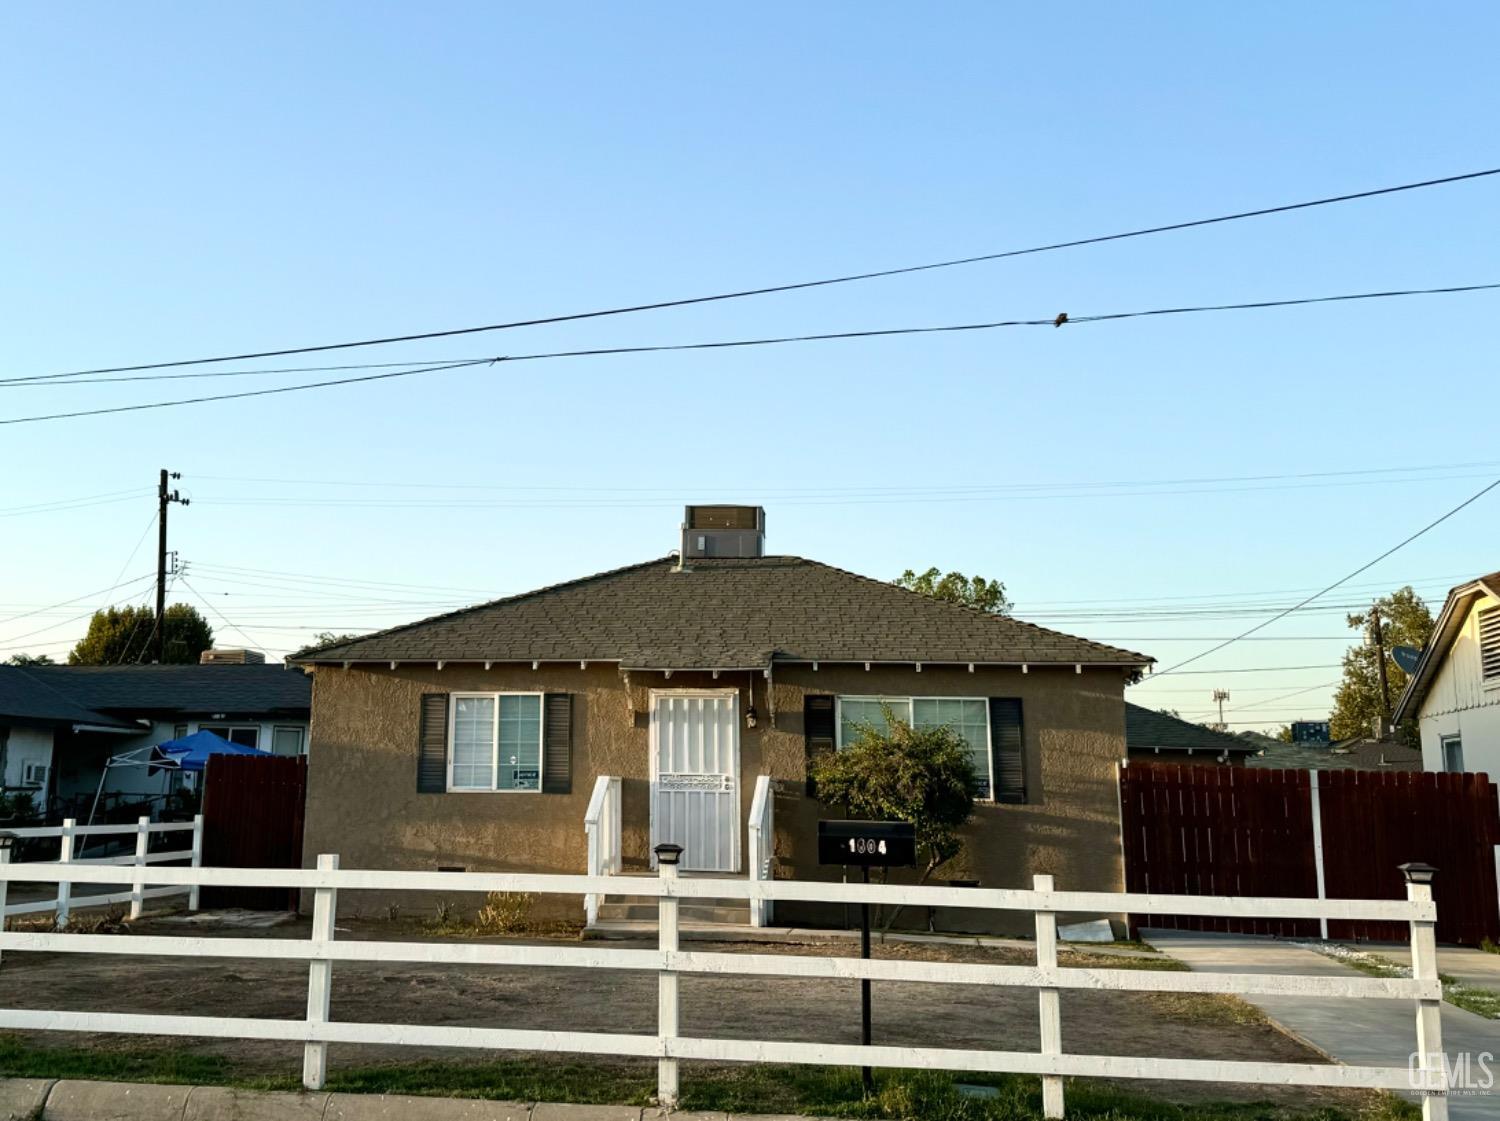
x=867, y=844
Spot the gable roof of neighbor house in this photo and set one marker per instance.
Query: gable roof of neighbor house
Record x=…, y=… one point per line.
x=723, y=613
x=26, y=700
x=1445, y=631
x=1356, y=754
x=1149, y=730
x=181, y=690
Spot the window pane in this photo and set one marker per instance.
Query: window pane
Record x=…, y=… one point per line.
x=520, y=743
x=857, y=711
x=474, y=743
x=286, y=741
x=969, y=717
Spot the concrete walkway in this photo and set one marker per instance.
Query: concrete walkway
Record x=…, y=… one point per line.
x=27, y=1099
x=1356, y=1032
x=1472, y=967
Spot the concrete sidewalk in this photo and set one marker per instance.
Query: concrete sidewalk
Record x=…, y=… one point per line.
x=1470, y=966
x=1355, y=1032
x=26, y=1099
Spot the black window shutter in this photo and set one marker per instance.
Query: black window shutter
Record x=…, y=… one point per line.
x=557, y=769
x=432, y=745
x=1008, y=749
x=817, y=733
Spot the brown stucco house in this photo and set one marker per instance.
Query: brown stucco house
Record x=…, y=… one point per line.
x=473, y=740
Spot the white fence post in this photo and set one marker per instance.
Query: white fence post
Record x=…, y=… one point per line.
x=65, y=854
x=7, y=841
x=1424, y=967
x=667, y=856
x=138, y=885
x=1049, y=1004
x=1317, y=833
x=197, y=859
x=320, y=977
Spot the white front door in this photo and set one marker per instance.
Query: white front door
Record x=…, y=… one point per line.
x=695, y=768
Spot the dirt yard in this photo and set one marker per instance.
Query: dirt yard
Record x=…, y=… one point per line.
x=579, y=1000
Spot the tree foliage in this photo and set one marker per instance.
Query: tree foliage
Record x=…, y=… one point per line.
x=30, y=660
x=122, y=636
x=325, y=638
x=954, y=587
x=899, y=773
x=1406, y=621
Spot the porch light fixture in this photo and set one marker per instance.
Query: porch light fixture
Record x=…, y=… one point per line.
x=1418, y=873
x=668, y=853
x=750, y=717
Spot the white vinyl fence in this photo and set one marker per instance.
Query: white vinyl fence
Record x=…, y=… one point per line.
x=670, y=963
x=73, y=843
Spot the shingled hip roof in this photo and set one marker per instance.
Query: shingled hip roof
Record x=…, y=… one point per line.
x=723, y=613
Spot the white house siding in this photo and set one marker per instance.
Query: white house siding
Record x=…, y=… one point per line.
x=1460, y=703
x=23, y=746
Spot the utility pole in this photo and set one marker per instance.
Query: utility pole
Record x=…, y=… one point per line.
x=163, y=497
x=1220, y=696
x=1377, y=636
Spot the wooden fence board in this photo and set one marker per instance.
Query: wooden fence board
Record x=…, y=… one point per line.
x=252, y=818
x=1199, y=830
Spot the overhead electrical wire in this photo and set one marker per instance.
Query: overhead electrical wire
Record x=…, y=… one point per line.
x=847, y=278
x=1475, y=497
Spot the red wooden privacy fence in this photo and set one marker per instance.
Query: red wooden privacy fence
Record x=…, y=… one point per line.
x=252, y=818
x=1246, y=831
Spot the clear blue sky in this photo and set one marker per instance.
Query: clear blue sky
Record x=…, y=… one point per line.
x=200, y=180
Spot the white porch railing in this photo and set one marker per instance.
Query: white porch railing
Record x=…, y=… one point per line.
x=68, y=834
x=601, y=824
x=762, y=830
x=1425, y=1072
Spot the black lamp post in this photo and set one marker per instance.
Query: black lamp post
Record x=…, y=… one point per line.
x=1418, y=873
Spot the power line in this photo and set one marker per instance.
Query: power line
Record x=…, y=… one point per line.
x=215, y=609
x=1342, y=580
x=805, y=284
x=597, y=352
x=1242, y=669
x=75, y=599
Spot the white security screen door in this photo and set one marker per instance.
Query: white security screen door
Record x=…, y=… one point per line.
x=695, y=766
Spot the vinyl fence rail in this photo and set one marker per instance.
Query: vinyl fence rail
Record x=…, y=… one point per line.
x=1425, y=1073
x=69, y=834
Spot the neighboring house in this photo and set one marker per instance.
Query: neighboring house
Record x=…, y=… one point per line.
x=474, y=739
x=1153, y=736
x=72, y=719
x=1356, y=754
x=1454, y=692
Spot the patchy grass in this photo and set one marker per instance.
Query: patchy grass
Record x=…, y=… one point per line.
x=812, y=1090
x=1471, y=998
x=505, y=913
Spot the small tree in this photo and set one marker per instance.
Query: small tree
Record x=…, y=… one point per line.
x=899, y=773
x=30, y=660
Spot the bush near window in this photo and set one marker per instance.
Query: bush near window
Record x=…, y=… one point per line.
x=922, y=776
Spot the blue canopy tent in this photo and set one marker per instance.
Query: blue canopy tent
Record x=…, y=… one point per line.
x=191, y=753
x=188, y=753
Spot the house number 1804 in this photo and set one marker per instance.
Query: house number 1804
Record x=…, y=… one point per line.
x=866, y=844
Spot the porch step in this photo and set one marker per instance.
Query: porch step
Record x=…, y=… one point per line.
x=642, y=908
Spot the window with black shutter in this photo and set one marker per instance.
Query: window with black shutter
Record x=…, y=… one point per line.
x=432, y=744
x=1008, y=749
x=818, y=728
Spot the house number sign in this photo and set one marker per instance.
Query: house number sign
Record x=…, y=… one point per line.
x=869, y=844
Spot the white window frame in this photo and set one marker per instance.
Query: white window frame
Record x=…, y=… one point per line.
x=231, y=727
x=494, y=787
x=989, y=734
x=301, y=731
x=1444, y=743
